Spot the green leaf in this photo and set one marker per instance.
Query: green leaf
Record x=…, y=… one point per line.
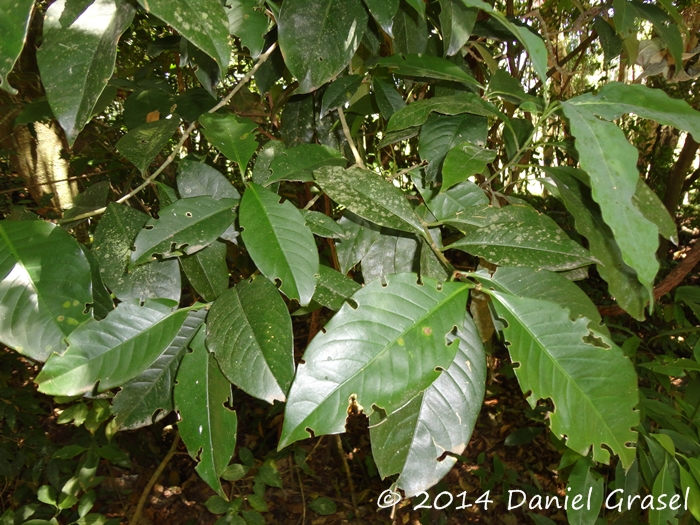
x=368, y=195
x=545, y=286
x=323, y=506
x=339, y=92
x=140, y=103
x=319, y=37
x=210, y=33
x=207, y=270
x=383, y=12
x=583, y=482
x=185, y=227
x=333, y=288
x=427, y=66
x=141, y=145
x=248, y=22
x=388, y=98
x=196, y=178
x=663, y=485
x=322, y=225
x=232, y=135
x=299, y=162
x=399, y=326
x=93, y=198
x=667, y=30
x=74, y=80
x=358, y=239
x=261, y=169
x=410, y=30
x=457, y=21
x=250, y=332
x=46, y=285
x=654, y=210
x=417, y=113
x=149, y=396
x=688, y=483
x=441, y=133
x=390, y=252
x=102, y=302
x=609, y=41
x=463, y=161
x=112, y=351
x=532, y=43
x=208, y=426
x=594, y=389
x=447, y=206
x=13, y=28
x=622, y=279
x=611, y=163
x=411, y=441
x=509, y=88
x=217, y=505
x=279, y=242
x=520, y=236
x=269, y=474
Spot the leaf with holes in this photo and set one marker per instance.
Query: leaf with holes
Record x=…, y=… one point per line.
x=333, y=288
x=207, y=426
x=279, y=242
x=411, y=441
x=401, y=326
x=359, y=237
x=207, y=270
x=185, y=227
x=594, y=389
x=149, y=396
x=248, y=22
x=45, y=289
x=141, y=145
x=232, y=135
x=250, y=332
x=13, y=26
x=114, y=350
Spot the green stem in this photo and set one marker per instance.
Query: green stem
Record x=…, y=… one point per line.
x=431, y=242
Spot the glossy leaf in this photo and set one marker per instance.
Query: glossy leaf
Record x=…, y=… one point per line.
x=594, y=389
x=248, y=22
x=358, y=239
x=333, y=288
x=319, y=37
x=428, y=67
x=411, y=441
x=299, y=162
x=261, y=169
x=207, y=270
x=112, y=351
x=339, y=92
x=210, y=33
x=366, y=194
x=457, y=21
x=149, y=396
x=410, y=30
x=45, y=289
x=279, y=242
x=196, y=178
x=611, y=163
x=400, y=326
x=383, y=12
x=74, y=80
x=185, y=227
x=232, y=135
x=322, y=225
x=208, y=427
x=463, y=161
x=250, y=332
x=13, y=26
x=141, y=145
x=388, y=98
x=451, y=204
x=102, y=302
x=391, y=252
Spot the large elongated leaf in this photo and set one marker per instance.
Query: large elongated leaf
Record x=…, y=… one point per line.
x=232, y=135
x=141, y=145
x=248, y=22
x=196, y=178
x=383, y=12
x=45, y=287
x=299, y=162
x=250, y=332
x=410, y=30
x=339, y=92
x=112, y=351
x=611, y=162
x=411, y=441
x=149, y=396
x=457, y=21
x=185, y=227
x=209, y=33
x=13, y=28
x=208, y=427
x=319, y=37
x=594, y=389
x=399, y=327
x=207, y=270
x=427, y=66
x=279, y=242
x=463, y=161
x=74, y=80
x=368, y=195
x=388, y=98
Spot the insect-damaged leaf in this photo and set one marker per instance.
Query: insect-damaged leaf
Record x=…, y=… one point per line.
x=401, y=326
x=207, y=426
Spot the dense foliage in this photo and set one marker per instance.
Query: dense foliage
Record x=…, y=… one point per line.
x=413, y=180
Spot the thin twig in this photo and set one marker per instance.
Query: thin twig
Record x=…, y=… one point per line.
x=348, y=136
x=407, y=170
x=183, y=139
x=346, y=467
x=147, y=490
x=431, y=242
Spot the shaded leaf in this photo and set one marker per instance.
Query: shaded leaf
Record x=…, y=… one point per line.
x=388, y=98
x=359, y=237
x=207, y=270
x=13, y=26
x=91, y=199
x=663, y=486
x=299, y=162
x=582, y=481
x=390, y=252
x=457, y=21
x=668, y=31
x=248, y=22
x=141, y=145
x=383, y=12
x=322, y=225
x=196, y=178
x=463, y=161
x=339, y=92
x=399, y=326
x=333, y=288
x=323, y=506
x=45, y=288
x=112, y=351
x=261, y=169
x=449, y=205
x=232, y=135
x=412, y=440
x=609, y=41
x=102, y=302
x=410, y=30
x=279, y=242
x=207, y=425
x=74, y=80
x=250, y=332
x=654, y=210
x=414, y=65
